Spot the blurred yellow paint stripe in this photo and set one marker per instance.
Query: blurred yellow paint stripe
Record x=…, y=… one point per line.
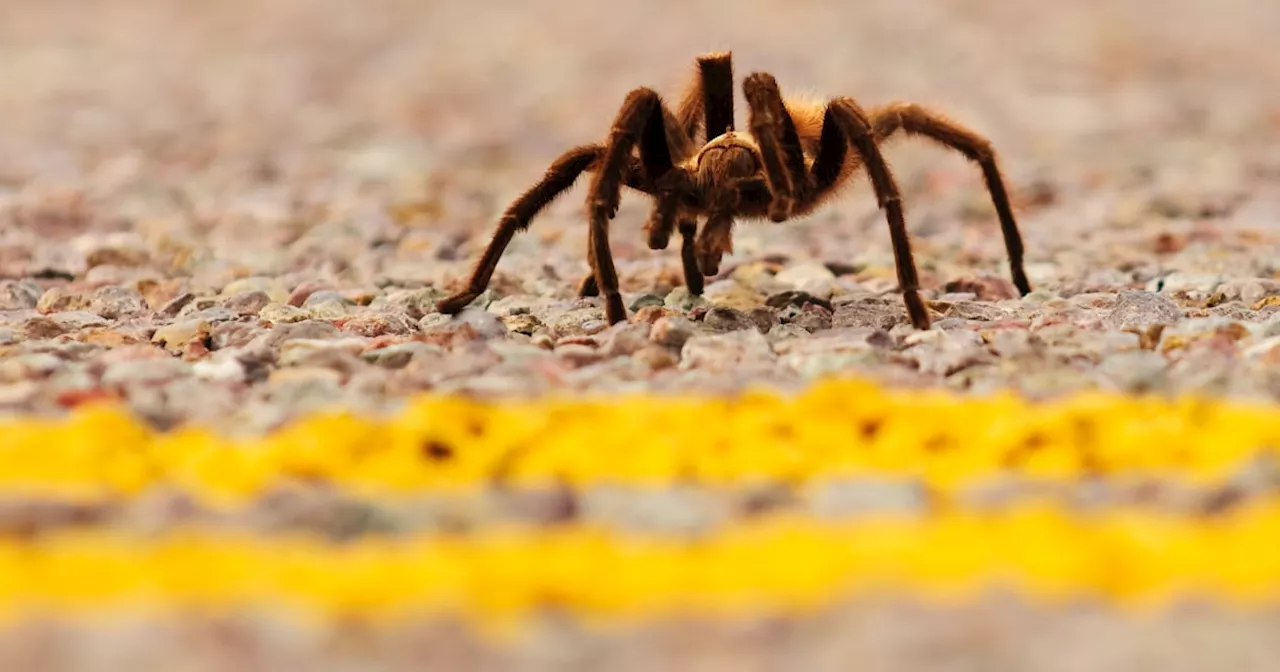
x=769, y=566
x=836, y=429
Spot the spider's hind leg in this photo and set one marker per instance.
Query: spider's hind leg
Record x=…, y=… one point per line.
x=560, y=176
x=917, y=120
x=845, y=125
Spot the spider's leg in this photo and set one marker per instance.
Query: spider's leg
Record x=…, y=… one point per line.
x=710, y=98
x=689, y=255
x=774, y=129
x=559, y=177
x=845, y=124
x=688, y=227
x=715, y=240
x=642, y=121
x=917, y=120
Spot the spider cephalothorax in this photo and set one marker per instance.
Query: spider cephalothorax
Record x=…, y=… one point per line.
x=696, y=166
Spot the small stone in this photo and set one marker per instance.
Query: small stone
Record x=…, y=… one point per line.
x=646, y=300
x=572, y=322
x=329, y=305
x=812, y=318
x=149, y=371
x=656, y=357
x=274, y=288
x=283, y=313
x=59, y=299
x=198, y=304
x=764, y=319
x=175, y=305
x=1198, y=283
x=680, y=299
x=301, y=293
x=30, y=366
x=811, y=277
x=372, y=325
x=416, y=302
x=397, y=356
x=1254, y=292
x=248, y=303
x=672, y=332
x=19, y=294
x=123, y=256
x=579, y=354
x=114, y=303
x=523, y=323
x=221, y=369
x=175, y=337
x=984, y=287
x=724, y=319
x=624, y=338
x=233, y=334
x=793, y=297
x=944, y=353
x=76, y=320
x=594, y=326
x=871, y=313
x=297, y=350
x=1136, y=310
x=448, y=333
x=542, y=340
x=1136, y=371
x=783, y=332
x=730, y=294
x=486, y=324
x=720, y=353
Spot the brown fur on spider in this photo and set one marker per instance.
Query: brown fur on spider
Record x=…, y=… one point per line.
x=696, y=166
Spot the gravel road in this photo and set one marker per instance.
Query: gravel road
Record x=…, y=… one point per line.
x=235, y=213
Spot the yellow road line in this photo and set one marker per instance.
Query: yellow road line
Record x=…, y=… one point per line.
x=770, y=566
x=837, y=429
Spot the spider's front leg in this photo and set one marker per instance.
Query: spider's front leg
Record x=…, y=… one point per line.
x=641, y=121
x=775, y=131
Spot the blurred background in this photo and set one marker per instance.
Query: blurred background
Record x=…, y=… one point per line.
x=447, y=110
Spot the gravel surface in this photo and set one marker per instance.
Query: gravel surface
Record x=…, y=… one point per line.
x=235, y=213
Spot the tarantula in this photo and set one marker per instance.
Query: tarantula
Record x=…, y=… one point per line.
x=793, y=159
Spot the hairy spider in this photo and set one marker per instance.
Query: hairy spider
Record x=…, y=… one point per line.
x=794, y=158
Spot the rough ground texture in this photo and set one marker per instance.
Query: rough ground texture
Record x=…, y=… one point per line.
x=236, y=212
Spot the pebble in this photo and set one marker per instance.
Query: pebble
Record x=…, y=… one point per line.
x=374, y=324
x=731, y=294
x=680, y=299
x=1141, y=310
x=19, y=294
x=58, y=299
x=672, y=331
x=397, y=356
x=248, y=303
x=722, y=319
x=812, y=278
x=283, y=313
x=297, y=350
x=274, y=288
x=175, y=337
x=522, y=323
x=329, y=305
x=721, y=353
